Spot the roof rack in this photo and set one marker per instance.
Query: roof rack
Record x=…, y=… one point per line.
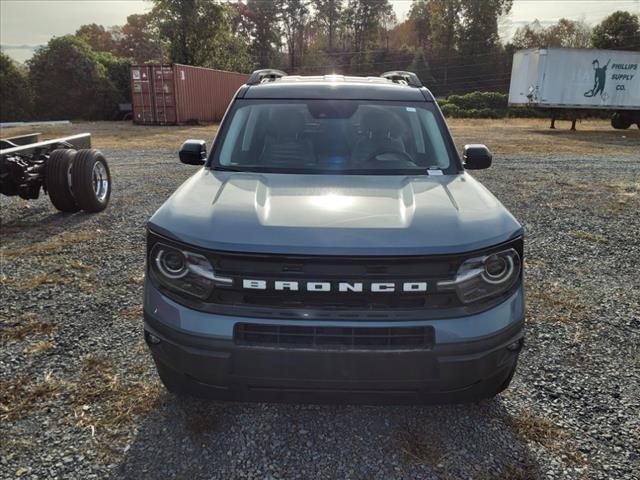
x=265, y=75
x=406, y=78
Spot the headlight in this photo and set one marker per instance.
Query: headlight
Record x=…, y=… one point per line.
x=482, y=277
x=183, y=271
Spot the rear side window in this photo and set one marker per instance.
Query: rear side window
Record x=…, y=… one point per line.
x=333, y=136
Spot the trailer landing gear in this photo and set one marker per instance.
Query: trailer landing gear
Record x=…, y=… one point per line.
x=553, y=123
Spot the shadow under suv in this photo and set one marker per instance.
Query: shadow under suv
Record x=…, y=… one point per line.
x=333, y=248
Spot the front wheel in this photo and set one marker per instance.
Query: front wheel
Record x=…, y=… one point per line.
x=91, y=180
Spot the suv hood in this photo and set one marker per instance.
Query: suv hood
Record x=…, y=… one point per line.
x=334, y=214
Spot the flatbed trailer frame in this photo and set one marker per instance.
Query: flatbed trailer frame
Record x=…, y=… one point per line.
x=75, y=176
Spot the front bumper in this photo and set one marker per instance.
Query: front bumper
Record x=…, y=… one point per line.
x=472, y=358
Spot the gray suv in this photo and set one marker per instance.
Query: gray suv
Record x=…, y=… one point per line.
x=333, y=248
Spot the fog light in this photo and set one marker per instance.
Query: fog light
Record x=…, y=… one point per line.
x=153, y=339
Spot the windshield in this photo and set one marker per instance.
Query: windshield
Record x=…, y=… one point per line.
x=332, y=136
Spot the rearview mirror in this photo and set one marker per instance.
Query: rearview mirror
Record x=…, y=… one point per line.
x=193, y=152
x=477, y=157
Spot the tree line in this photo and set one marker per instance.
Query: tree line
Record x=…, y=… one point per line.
x=453, y=46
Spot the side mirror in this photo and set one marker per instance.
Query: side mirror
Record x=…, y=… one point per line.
x=193, y=152
x=477, y=157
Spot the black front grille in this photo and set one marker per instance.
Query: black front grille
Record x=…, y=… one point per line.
x=308, y=268
x=334, y=337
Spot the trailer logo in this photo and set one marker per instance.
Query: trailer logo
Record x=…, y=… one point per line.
x=600, y=78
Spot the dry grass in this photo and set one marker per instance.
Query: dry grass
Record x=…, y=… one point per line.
x=80, y=266
x=546, y=433
x=18, y=396
x=131, y=314
x=27, y=326
x=624, y=198
x=556, y=302
x=518, y=136
x=418, y=447
x=138, y=276
x=52, y=245
x=536, y=429
x=99, y=399
x=39, y=280
x=122, y=135
x=102, y=402
x=38, y=348
x=591, y=237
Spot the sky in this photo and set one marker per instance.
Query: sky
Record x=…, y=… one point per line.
x=26, y=24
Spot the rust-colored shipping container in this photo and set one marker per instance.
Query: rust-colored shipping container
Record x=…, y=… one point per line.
x=177, y=94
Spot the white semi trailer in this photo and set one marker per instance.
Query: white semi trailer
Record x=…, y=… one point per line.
x=575, y=82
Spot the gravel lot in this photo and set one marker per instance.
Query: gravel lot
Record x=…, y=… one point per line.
x=79, y=397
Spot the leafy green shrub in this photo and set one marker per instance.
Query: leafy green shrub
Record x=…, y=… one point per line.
x=450, y=110
x=16, y=97
x=479, y=100
x=71, y=81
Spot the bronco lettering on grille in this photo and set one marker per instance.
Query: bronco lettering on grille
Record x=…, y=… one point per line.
x=351, y=287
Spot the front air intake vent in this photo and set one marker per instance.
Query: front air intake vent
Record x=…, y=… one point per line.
x=334, y=337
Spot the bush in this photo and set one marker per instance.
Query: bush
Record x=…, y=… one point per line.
x=450, y=110
x=16, y=97
x=485, y=105
x=71, y=81
x=480, y=100
x=118, y=74
x=475, y=105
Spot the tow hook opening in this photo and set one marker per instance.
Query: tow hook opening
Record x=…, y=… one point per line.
x=516, y=346
x=151, y=338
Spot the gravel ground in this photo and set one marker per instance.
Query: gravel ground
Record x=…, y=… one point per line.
x=80, y=398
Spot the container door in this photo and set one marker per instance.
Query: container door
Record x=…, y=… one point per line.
x=142, y=95
x=165, y=95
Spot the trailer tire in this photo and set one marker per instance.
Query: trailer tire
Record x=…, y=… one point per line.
x=57, y=169
x=620, y=121
x=91, y=180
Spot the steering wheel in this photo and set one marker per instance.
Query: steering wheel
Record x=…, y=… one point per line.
x=406, y=156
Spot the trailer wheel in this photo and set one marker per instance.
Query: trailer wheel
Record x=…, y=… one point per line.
x=620, y=121
x=91, y=180
x=57, y=176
